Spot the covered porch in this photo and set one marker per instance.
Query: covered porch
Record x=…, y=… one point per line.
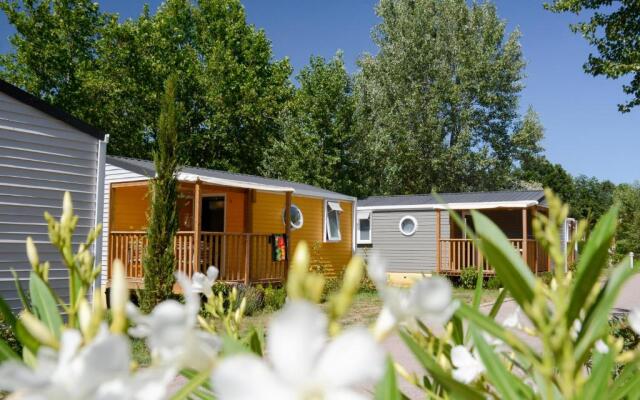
x=216, y=227
x=458, y=251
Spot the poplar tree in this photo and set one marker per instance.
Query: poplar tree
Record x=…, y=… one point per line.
x=159, y=259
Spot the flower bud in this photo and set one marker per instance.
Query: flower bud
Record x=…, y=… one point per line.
x=38, y=330
x=119, y=298
x=67, y=210
x=32, y=254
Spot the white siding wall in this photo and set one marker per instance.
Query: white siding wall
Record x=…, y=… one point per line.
x=40, y=158
x=112, y=174
x=416, y=253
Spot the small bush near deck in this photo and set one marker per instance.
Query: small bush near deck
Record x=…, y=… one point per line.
x=274, y=298
x=469, y=278
x=493, y=283
x=547, y=277
x=9, y=337
x=254, y=296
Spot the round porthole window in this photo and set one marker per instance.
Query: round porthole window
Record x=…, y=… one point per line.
x=408, y=225
x=296, y=217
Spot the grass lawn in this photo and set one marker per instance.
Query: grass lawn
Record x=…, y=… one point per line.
x=364, y=311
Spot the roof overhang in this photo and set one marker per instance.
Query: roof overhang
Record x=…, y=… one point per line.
x=188, y=177
x=454, y=206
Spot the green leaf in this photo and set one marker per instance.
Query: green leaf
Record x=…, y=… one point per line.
x=255, y=342
x=596, y=323
x=194, y=383
x=6, y=353
x=7, y=316
x=457, y=389
x=232, y=346
x=458, y=330
x=505, y=383
x=596, y=387
x=513, y=272
x=627, y=382
x=477, y=294
x=475, y=317
x=44, y=304
x=592, y=260
x=387, y=388
x=497, y=304
x=20, y=291
x=28, y=341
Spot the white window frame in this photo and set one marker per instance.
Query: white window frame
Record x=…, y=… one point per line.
x=294, y=227
x=327, y=237
x=415, y=225
x=370, y=219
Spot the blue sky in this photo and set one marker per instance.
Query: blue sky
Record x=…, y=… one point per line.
x=584, y=131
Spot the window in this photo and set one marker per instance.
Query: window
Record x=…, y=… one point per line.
x=332, y=212
x=408, y=225
x=297, y=220
x=364, y=227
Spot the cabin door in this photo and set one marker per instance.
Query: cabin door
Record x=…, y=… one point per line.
x=213, y=214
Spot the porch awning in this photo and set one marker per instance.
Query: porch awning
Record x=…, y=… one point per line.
x=487, y=205
x=188, y=177
x=334, y=206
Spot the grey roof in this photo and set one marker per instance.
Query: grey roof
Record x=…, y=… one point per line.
x=146, y=168
x=451, y=198
x=57, y=113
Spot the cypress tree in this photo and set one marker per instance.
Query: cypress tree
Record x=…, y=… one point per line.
x=159, y=260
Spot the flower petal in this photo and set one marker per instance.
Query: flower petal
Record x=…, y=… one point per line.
x=431, y=295
x=352, y=359
x=247, y=377
x=296, y=337
x=377, y=270
x=15, y=375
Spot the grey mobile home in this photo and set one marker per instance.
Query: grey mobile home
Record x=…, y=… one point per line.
x=415, y=235
x=43, y=153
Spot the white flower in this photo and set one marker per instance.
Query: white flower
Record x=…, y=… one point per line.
x=203, y=283
x=72, y=373
x=429, y=299
x=575, y=329
x=634, y=320
x=601, y=347
x=513, y=320
x=467, y=367
x=301, y=361
x=171, y=332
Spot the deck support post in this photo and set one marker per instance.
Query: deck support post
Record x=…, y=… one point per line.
x=248, y=228
x=287, y=232
x=197, y=226
x=438, y=244
x=525, y=237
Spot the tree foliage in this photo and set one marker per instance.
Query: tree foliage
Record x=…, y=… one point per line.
x=159, y=259
x=111, y=74
x=628, y=237
x=438, y=104
x=317, y=144
x=613, y=28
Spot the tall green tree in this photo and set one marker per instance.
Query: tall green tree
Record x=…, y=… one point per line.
x=539, y=170
x=592, y=198
x=628, y=234
x=232, y=89
x=613, y=28
x=159, y=259
x=316, y=144
x=438, y=104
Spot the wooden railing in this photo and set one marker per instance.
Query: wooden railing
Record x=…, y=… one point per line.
x=240, y=257
x=458, y=254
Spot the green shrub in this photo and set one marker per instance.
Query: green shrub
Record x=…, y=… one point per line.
x=468, y=278
x=331, y=285
x=494, y=283
x=546, y=277
x=254, y=296
x=367, y=285
x=8, y=336
x=274, y=298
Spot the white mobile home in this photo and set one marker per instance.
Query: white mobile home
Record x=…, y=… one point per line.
x=43, y=152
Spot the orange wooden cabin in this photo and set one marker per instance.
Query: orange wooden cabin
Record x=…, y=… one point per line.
x=239, y=223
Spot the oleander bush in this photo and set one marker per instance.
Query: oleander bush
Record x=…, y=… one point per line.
x=468, y=278
x=569, y=348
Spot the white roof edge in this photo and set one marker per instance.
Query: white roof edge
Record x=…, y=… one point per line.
x=189, y=177
x=455, y=206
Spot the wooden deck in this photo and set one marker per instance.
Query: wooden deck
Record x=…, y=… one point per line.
x=240, y=257
x=456, y=255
